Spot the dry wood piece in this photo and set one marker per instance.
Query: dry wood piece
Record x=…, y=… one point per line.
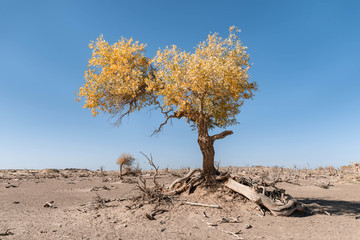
x=6, y=233
x=229, y=220
x=235, y=234
x=243, y=190
x=202, y=205
x=148, y=216
x=49, y=204
x=213, y=225
x=205, y=215
x=152, y=215
x=317, y=206
x=276, y=208
x=99, y=188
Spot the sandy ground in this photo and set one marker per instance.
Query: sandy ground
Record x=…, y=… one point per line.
x=92, y=205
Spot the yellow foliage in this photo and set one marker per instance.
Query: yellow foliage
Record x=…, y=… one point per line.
x=213, y=80
x=208, y=85
x=115, y=78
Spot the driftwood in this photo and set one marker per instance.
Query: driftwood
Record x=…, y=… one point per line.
x=276, y=208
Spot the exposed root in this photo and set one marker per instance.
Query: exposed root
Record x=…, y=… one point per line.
x=187, y=185
x=265, y=195
x=179, y=180
x=190, y=181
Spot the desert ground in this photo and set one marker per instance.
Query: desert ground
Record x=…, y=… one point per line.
x=84, y=204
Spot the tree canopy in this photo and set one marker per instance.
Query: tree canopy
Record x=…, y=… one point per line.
x=206, y=87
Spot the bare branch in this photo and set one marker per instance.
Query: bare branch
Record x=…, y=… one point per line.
x=151, y=162
x=176, y=115
x=221, y=135
x=163, y=111
x=156, y=131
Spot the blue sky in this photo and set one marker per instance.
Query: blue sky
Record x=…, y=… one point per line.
x=305, y=56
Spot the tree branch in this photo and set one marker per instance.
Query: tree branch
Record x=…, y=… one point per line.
x=221, y=135
x=168, y=117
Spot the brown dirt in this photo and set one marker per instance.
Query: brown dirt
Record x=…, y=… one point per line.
x=86, y=205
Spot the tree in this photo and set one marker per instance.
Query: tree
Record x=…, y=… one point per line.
x=125, y=160
x=206, y=87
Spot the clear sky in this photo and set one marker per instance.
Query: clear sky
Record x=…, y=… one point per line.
x=305, y=58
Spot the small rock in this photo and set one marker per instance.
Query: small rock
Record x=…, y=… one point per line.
x=16, y=202
x=163, y=229
x=125, y=225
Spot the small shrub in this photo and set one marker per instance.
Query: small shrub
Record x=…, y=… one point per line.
x=125, y=161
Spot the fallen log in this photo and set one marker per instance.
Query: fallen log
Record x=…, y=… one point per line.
x=277, y=209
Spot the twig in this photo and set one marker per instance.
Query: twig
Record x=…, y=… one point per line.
x=213, y=225
x=202, y=205
x=153, y=214
x=7, y=232
x=235, y=234
x=149, y=216
x=229, y=220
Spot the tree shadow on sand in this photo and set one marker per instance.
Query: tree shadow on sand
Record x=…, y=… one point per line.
x=335, y=207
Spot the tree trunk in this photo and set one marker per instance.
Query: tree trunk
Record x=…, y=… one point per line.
x=120, y=171
x=206, y=144
x=207, y=149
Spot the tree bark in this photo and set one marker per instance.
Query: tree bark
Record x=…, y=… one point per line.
x=120, y=171
x=206, y=144
x=207, y=149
